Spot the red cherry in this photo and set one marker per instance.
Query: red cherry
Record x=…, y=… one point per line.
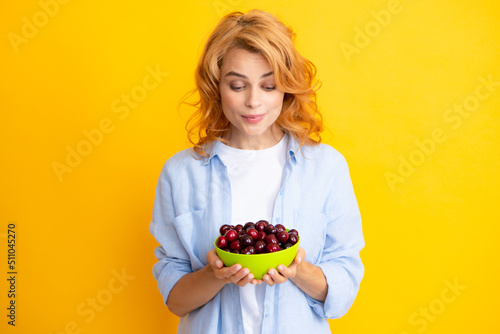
x=248, y=250
x=253, y=233
x=282, y=236
x=270, y=229
x=235, y=245
x=238, y=228
x=261, y=235
x=280, y=228
x=293, y=238
x=221, y=242
x=293, y=231
x=246, y=241
x=270, y=239
x=224, y=228
x=231, y=235
x=260, y=246
x=265, y=222
x=271, y=248
x=249, y=225
x=260, y=226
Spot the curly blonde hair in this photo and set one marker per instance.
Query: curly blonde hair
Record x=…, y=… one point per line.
x=260, y=32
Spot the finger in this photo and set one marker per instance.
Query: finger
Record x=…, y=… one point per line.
x=235, y=268
x=227, y=272
x=287, y=272
x=245, y=280
x=214, y=260
x=276, y=277
x=268, y=280
x=257, y=281
x=301, y=254
x=237, y=276
x=241, y=277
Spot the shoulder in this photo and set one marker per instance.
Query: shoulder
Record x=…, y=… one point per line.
x=323, y=154
x=182, y=162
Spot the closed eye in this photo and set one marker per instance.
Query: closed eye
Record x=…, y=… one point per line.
x=237, y=88
x=240, y=88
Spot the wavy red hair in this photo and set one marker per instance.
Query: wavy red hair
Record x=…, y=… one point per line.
x=255, y=31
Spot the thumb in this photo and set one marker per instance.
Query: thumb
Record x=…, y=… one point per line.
x=213, y=259
x=300, y=255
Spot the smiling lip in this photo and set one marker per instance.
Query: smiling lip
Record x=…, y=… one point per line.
x=253, y=119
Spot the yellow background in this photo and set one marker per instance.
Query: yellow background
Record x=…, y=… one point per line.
x=428, y=217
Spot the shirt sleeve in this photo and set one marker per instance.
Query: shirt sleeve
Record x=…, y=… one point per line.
x=340, y=261
x=173, y=260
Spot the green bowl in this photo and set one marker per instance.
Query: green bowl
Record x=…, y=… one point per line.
x=259, y=264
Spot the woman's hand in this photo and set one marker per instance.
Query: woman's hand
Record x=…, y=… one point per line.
x=234, y=274
x=305, y=275
x=284, y=273
x=199, y=287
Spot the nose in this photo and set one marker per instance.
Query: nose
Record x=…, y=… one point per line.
x=253, y=98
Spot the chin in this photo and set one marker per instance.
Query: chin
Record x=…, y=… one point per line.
x=255, y=133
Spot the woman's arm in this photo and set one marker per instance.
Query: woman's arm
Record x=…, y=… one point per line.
x=308, y=277
x=198, y=288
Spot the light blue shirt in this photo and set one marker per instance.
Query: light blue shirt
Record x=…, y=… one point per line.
x=193, y=199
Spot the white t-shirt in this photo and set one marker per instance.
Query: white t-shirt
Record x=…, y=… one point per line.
x=255, y=178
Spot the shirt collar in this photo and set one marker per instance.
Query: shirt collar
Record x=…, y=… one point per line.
x=292, y=148
x=213, y=148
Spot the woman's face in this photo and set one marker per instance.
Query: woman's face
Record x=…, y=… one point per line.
x=250, y=100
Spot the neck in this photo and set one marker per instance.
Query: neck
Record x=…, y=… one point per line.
x=255, y=143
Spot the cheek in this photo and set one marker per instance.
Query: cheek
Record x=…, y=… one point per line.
x=229, y=100
x=275, y=102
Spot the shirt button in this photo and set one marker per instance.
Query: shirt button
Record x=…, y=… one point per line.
x=267, y=315
x=278, y=220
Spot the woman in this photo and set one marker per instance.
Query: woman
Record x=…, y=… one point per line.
x=257, y=155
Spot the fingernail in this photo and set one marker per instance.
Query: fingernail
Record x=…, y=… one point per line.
x=299, y=260
x=238, y=267
x=281, y=268
x=218, y=263
x=271, y=272
x=246, y=271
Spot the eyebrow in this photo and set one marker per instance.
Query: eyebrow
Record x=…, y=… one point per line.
x=244, y=76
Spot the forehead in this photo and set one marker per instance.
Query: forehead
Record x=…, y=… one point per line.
x=245, y=62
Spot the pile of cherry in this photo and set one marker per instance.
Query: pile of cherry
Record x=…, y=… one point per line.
x=256, y=238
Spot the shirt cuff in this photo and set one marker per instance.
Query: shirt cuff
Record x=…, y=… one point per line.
x=340, y=295
x=169, y=277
